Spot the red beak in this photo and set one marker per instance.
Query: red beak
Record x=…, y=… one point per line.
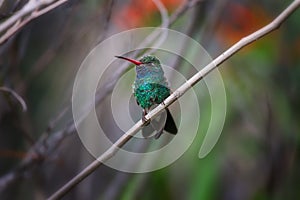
x=136, y=62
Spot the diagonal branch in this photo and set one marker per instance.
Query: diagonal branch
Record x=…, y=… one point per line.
x=177, y=94
x=19, y=19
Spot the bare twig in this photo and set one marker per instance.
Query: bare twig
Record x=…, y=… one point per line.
x=177, y=94
x=164, y=24
x=1, y=2
x=18, y=97
x=15, y=23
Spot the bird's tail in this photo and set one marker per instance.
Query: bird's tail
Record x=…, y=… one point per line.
x=170, y=123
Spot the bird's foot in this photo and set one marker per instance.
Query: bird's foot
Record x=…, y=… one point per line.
x=144, y=119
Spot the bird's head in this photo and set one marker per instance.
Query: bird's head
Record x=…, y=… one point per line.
x=149, y=59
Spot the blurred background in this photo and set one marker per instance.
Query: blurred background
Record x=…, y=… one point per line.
x=257, y=155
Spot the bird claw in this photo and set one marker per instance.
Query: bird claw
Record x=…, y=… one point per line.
x=145, y=120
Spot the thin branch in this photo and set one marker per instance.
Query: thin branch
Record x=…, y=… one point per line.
x=164, y=24
x=1, y=3
x=18, y=97
x=26, y=10
x=15, y=23
x=174, y=96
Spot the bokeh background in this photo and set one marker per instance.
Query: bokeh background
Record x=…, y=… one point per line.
x=257, y=155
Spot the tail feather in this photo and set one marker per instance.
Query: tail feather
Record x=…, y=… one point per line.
x=170, y=124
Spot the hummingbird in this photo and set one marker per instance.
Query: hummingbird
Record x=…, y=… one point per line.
x=151, y=88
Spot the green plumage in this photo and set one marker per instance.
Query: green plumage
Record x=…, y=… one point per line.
x=150, y=93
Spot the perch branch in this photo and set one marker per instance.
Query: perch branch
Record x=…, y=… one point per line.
x=177, y=94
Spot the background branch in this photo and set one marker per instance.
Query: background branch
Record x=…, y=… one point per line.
x=15, y=95
x=29, y=12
